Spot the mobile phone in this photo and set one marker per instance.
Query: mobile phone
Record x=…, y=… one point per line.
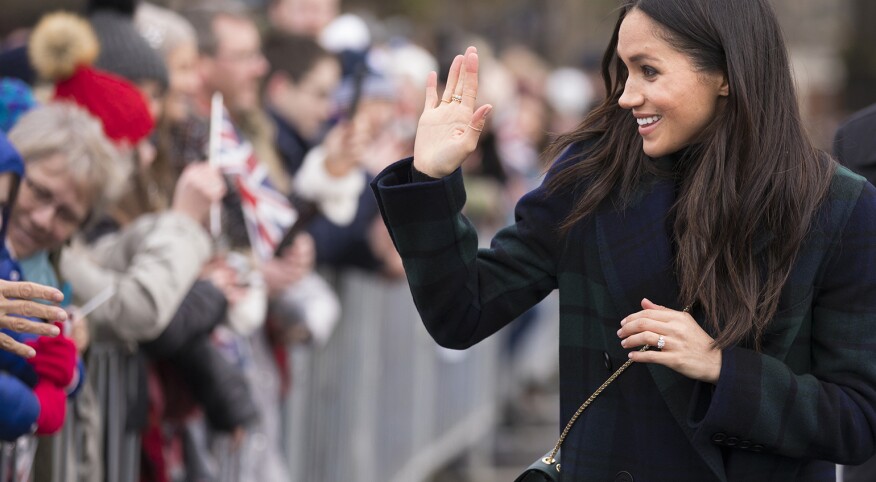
x=307, y=210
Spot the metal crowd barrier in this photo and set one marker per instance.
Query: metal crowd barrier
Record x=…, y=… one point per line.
x=8, y=461
x=16, y=459
x=381, y=401
x=111, y=376
x=112, y=372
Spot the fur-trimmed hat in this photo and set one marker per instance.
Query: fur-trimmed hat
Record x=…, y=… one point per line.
x=62, y=48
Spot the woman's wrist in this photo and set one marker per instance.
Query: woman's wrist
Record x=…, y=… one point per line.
x=420, y=176
x=714, y=367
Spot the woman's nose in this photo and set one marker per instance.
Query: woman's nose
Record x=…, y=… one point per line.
x=631, y=97
x=43, y=217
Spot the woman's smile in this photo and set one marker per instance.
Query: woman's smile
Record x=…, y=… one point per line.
x=648, y=124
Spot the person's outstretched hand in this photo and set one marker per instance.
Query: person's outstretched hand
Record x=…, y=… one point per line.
x=16, y=300
x=450, y=126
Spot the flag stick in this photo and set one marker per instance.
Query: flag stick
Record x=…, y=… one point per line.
x=215, y=139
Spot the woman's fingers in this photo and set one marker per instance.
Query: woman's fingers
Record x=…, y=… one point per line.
x=642, y=325
x=432, y=90
x=29, y=291
x=641, y=339
x=12, y=346
x=31, y=309
x=659, y=315
x=457, y=89
x=452, y=79
x=650, y=305
x=24, y=325
x=469, y=88
x=683, y=345
x=476, y=124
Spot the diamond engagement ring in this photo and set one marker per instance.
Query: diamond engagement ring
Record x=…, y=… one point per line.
x=456, y=98
x=661, y=342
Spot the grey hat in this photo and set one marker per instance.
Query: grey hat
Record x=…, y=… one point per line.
x=123, y=51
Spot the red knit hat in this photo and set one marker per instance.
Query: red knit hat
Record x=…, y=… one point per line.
x=62, y=48
x=112, y=99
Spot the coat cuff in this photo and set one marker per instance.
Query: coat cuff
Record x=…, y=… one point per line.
x=405, y=200
x=736, y=402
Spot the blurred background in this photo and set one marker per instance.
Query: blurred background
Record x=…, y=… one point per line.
x=830, y=40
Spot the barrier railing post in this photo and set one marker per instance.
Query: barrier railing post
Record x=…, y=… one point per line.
x=383, y=394
x=5, y=459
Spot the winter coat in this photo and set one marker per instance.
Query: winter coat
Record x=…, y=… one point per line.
x=805, y=401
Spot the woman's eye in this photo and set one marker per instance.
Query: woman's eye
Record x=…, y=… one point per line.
x=648, y=71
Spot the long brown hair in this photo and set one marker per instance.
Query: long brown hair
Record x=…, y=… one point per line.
x=751, y=182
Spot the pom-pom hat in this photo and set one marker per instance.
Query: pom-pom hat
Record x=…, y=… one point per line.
x=62, y=48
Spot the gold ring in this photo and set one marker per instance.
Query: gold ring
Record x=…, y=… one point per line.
x=445, y=100
x=456, y=98
x=475, y=128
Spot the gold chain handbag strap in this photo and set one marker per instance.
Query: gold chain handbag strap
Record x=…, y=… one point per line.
x=550, y=459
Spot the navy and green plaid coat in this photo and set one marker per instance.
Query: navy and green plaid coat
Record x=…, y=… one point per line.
x=789, y=412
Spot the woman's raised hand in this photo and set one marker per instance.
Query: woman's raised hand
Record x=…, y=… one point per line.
x=450, y=126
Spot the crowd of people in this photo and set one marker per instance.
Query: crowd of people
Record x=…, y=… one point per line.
x=188, y=228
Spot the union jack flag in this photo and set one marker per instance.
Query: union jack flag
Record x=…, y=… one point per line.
x=266, y=212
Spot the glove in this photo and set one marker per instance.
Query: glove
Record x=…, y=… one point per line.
x=53, y=407
x=55, y=359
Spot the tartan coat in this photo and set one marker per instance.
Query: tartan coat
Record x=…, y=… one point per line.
x=806, y=401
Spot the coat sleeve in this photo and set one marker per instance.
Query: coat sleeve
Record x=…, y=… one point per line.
x=202, y=309
x=17, y=365
x=462, y=293
x=827, y=412
x=20, y=408
x=152, y=264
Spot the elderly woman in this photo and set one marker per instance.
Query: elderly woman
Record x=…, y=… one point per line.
x=26, y=387
x=16, y=296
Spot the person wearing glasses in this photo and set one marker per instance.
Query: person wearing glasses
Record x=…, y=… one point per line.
x=688, y=213
x=37, y=362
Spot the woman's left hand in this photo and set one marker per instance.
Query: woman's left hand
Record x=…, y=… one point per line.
x=687, y=348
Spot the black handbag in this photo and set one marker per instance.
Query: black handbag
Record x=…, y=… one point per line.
x=547, y=468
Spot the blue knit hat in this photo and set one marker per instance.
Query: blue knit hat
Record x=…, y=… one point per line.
x=10, y=162
x=16, y=98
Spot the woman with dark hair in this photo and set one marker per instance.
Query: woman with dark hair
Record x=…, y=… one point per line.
x=688, y=214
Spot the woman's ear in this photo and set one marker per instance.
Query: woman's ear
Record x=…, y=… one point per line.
x=724, y=88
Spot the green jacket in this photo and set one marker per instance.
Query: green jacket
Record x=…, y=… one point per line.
x=789, y=412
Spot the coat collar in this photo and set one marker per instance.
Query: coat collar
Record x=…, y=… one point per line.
x=637, y=256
